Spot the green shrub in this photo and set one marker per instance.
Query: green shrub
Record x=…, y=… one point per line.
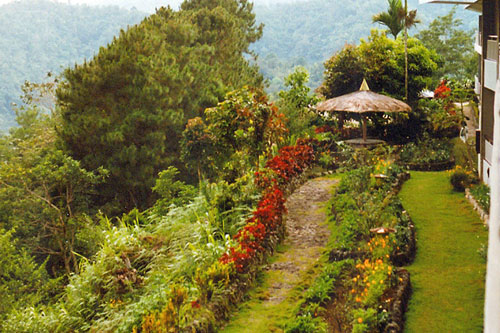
x=461, y=178
x=22, y=281
x=306, y=324
x=440, y=123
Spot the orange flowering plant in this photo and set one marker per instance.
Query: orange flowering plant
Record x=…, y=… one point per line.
x=371, y=280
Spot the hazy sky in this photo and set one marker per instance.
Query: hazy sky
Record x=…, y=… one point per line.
x=144, y=5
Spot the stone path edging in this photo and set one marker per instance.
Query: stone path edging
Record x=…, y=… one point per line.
x=482, y=214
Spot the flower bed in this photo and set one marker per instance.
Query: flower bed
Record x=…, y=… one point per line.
x=371, y=293
x=427, y=155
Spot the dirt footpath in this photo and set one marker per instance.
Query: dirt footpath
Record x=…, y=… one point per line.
x=307, y=236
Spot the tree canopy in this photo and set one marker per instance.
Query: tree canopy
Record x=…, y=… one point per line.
x=381, y=61
x=126, y=108
x=453, y=44
x=392, y=18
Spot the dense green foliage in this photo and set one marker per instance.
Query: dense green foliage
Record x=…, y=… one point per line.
x=126, y=108
x=141, y=255
x=237, y=131
x=307, y=33
x=45, y=194
x=22, y=281
x=426, y=151
x=174, y=102
x=37, y=37
x=380, y=60
x=453, y=44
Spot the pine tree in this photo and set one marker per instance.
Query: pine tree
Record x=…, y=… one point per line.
x=126, y=108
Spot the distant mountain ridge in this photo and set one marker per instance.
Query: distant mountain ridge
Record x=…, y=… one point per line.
x=38, y=36
x=42, y=36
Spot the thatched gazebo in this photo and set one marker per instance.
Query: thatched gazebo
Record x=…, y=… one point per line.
x=363, y=101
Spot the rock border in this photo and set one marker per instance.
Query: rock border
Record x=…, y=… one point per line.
x=485, y=217
x=399, y=306
x=440, y=166
x=406, y=257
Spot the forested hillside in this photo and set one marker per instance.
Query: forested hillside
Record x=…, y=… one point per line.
x=304, y=33
x=307, y=33
x=37, y=37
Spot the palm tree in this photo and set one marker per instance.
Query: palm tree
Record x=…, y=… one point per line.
x=396, y=19
x=392, y=19
x=409, y=20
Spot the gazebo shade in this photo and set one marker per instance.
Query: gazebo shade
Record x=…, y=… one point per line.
x=363, y=101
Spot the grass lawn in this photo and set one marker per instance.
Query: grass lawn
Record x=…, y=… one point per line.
x=448, y=272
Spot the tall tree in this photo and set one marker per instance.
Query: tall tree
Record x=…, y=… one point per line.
x=381, y=61
x=455, y=46
x=409, y=20
x=44, y=193
x=396, y=19
x=126, y=108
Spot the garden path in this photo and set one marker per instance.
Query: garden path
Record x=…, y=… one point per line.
x=294, y=266
x=448, y=273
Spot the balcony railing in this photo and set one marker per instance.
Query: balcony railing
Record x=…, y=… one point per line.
x=492, y=48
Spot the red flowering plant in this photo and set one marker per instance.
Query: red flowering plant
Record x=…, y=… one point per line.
x=238, y=256
x=270, y=209
x=443, y=92
x=268, y=217
x=291, y=161
x=265, y=179
x=251, y=238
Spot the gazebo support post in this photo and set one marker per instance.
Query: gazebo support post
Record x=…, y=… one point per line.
x=363, y=119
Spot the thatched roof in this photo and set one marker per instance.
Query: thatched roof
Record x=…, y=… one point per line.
x=362, y=101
